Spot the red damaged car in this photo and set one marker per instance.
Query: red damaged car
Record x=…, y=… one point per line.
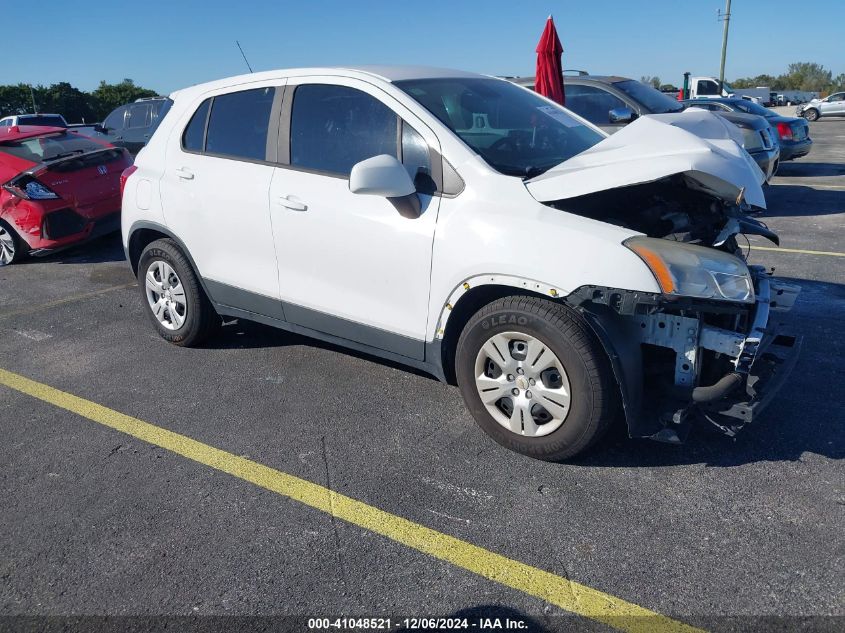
x=59, y=188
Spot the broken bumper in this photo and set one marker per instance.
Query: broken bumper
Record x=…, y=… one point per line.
x=765, y=358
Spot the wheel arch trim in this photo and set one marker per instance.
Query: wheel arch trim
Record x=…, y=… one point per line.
x=159, y=228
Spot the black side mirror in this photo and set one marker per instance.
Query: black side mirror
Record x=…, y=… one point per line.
x=102, y=129
x=621, y=115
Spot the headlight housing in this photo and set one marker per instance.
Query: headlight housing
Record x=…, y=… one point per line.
x=688, y=270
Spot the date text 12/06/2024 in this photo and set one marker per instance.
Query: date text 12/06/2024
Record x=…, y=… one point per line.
x=413, y=624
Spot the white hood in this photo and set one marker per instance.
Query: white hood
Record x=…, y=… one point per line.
x=702, y=146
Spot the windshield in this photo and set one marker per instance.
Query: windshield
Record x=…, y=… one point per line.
x=653, y=100
x=50, y=146
x=753, y=108
x=514, y=130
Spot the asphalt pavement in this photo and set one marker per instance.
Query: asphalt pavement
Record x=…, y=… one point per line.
x=722, y=534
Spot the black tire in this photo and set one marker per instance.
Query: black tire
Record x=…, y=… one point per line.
x=811, y=114
x=200, y=319
x=594, y=394
x=18, y=247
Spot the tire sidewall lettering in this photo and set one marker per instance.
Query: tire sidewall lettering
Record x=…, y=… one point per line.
x=505, y=319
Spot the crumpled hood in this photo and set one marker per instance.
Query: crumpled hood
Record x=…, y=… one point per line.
x=703, y=147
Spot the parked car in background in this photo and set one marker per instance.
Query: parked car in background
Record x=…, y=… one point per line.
x=473, y=229
x=793, y=132
x=131, y=125
x=834, y=105
x=611, y=103
x=59, y=188
x=51, y=120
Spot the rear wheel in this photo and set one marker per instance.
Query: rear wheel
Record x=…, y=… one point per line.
x=535, y=378
x=811, y=114
x=12, y=248
x=176, y=302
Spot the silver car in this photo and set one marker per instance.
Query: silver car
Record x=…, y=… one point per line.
x=829, y=106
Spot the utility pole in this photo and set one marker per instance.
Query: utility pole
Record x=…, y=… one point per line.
x=726, y=18
x=32, y=94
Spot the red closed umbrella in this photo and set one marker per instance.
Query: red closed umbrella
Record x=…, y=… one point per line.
x=549, y=75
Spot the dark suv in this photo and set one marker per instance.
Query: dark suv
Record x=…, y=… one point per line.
x=132, y=125
x=612, y=102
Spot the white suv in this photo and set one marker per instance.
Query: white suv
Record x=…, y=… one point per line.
x=469, y=227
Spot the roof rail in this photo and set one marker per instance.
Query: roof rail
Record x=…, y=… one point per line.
x=149, y=98
x=580, y=73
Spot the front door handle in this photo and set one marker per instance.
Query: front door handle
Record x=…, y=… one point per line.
x=185, y=174
x=291, y=202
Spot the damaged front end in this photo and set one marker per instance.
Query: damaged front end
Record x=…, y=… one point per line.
x=708, y=346
x=680, y=359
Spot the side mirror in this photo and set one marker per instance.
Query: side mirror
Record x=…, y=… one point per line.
x=385, y=176
x=102, y=129
x=621, y=115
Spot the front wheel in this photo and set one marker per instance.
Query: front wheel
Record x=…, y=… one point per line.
x=176, y=302
x=811, y=114
x=535, y=378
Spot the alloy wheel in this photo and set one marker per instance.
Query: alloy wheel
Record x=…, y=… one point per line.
x=7, y=246
x=166, y=295
x=522, y=384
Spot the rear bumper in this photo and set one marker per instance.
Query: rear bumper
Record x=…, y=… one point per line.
x=792, y=150
x=91, y=230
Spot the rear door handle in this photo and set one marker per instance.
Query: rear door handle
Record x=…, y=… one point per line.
x=185, y=174
x=291, y=202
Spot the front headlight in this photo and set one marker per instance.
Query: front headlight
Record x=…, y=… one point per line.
x=688, y=270
x=753, y=141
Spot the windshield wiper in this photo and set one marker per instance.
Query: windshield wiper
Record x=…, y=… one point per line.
x=64, y=155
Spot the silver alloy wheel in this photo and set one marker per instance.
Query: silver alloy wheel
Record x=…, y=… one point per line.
x=522, y=383
x=166, y=295
x=7, y=247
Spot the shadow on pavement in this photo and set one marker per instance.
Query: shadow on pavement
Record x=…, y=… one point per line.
x=801, y=168
x=799, y=200
x=108, y=248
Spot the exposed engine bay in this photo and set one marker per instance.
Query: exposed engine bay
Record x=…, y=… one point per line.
x=668, y=208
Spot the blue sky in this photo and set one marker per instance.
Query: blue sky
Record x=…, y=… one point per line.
x=169, y=45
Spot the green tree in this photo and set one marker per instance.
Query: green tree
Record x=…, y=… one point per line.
x=76, y=106
x=838, y=83
x=109, y=96
x=15, y=100
x=651, y=81
x=807, y=76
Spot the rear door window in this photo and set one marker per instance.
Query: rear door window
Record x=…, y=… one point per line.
x=239, y=122
x=334, y=127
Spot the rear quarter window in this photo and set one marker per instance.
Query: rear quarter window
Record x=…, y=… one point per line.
x=193, y=138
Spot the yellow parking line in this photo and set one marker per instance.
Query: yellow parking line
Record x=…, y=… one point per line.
x=58, y=302
x=796, y=250
x=557, y=590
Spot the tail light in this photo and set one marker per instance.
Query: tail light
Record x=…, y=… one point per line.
x=124, y=176
x=785, y=131
x=27, y=187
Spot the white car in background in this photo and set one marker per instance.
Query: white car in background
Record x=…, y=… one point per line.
x=468, y=227
x=834, y=105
